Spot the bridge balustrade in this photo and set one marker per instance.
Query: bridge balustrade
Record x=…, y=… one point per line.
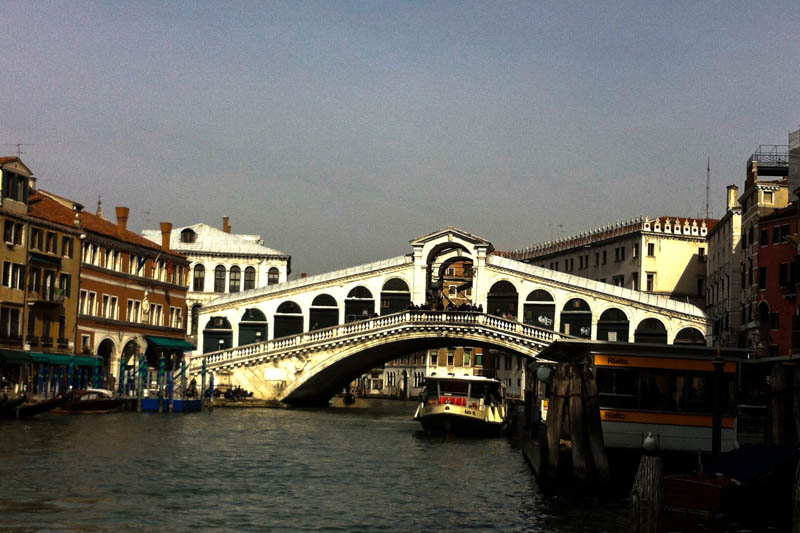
x=250, y=351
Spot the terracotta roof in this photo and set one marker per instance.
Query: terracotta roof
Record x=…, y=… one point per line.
x=42, y=206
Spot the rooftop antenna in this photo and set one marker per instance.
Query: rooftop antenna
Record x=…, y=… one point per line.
x=19, y=147
x=708, y=186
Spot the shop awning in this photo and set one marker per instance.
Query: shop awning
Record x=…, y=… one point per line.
x=45, y=260
x=15, y=357
x=83, y=360
x=169, y=344
x=59, y=359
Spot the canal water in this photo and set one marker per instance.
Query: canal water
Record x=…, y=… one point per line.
x=362, y=468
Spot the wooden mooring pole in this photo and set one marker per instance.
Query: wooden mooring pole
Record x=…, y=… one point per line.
x=796, y=501
x=647, y=496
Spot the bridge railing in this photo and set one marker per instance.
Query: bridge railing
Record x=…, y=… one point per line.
x=249, y=351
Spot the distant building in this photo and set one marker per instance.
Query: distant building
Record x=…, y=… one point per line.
x=222, y=262
x=723, y=291
x=664, y=256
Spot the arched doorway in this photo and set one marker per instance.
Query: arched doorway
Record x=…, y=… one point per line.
x=539, y=309
x=324, y=312
x=576, y=319
x=127, y=365
x=502, y=299
x=651, y=331
x=217, y=335
x=288, y=320
x=395, y=296
x=106, y=351
x=359, y=304
x=455, y=276
x=613, y=326
x=692, y=336
x=252, y=327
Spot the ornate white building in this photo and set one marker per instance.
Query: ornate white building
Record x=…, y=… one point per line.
x=222, y=262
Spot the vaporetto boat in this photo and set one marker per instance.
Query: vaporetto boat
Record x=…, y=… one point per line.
x=462, y=405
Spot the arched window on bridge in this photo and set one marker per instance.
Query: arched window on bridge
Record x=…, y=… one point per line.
x=217, y=335
x=395, y=296
x=235, y=279
x=576, y=319
x=359, y=304
x=613, y=325
x=273, y=276
x=288, y=320
x=539, y=309
x=219, y=279
x=252, y=327
x=249, y=278
x=691, y=336
x=502, y=299
x=199, y=278
x=652, y=331
x=324, y=312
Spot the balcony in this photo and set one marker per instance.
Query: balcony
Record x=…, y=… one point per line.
x=48, y=295
x=770, y=159
x=47, y=341
x=33, y=340
x=62, y=342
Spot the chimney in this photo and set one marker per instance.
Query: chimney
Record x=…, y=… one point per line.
x=122, y=219
x=166, y=232
x=733, y=196
x=226, y=224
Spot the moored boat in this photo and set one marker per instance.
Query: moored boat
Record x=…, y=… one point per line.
x=91, y=401
x=27, y=410
x=465, y=405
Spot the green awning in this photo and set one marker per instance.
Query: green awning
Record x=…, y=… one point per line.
x=15, y=357
x=169, y=343
x=60, y=359
x=45, y=260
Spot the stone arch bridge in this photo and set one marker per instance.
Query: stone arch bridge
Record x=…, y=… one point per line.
x=302, y=341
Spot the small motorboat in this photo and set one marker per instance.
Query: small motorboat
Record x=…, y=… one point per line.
x=91, y=401
x=467, y=405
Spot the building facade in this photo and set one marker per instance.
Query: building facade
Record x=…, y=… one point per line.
x=221, y=262
x=132, y=294
x=664, y=256
x=723, y=291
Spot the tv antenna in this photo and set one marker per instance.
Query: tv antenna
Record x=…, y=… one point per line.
x=708, y=186
x=19, y=147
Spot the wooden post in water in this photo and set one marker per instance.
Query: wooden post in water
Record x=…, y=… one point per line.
x=580, y=465
x=777, y=403
x=796, y=501
x=796, y=404
x=647, y=496
x=594, y=428
x=555, y=419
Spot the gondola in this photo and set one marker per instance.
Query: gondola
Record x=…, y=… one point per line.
x=9, y=409
x=33, y=409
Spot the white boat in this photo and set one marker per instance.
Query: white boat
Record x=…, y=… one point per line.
x=462, y=405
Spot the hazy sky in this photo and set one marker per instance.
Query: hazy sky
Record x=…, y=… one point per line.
x=341, y=130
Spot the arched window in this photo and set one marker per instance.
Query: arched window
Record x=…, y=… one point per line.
x=219, y=279
x=359, y=304
x=539, y=309
x=252, y=327
x=217, y=335
x=502, y=299
x=652, y=331
x=690, y=336
x=199, y=278
x=613, y=326
x=395, y=296
x=576, y=319
x=236, y=279
x=288, y=320
x=324, y=312
x=273, y=276
x=249, y=278
x=188, y=236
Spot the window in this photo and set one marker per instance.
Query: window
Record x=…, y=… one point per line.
x=273, y=276
x=249, y=278
x=37, y=239
x=635, y=252
x=112, y=308
x=701, y=286
x=188, y=236
x=774, y=321
x=67, y=244
x=507, y=362
x=635, y=281
x=156, y=314
x=13, y=275
x=450, y=358
x=235, y=279
x=651, y=249
x=452, y=290
x=762, y=278
x=91, y=301
x=9, y=323
x=784, y=274
x=47, y=331
x=701, y=254
x=104, y=309
x=82, y=301
x=434, y=355
x=767, y=197
x=52, y=242
x=65, y=284
x=764, y=239
x=219, y=279
x=619, y=281
x=597, y=258
x=604, y=257
x=467, y=354
x=651, y=281
x=13, y=232
x=62, y=329
x=175, y=317
x=134, y=311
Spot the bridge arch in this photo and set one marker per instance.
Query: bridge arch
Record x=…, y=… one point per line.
x=253, y=326
x=359, y=303
x=613, y=325
x=651, y=331
x=395, y=296
x=288, y=319
x=502, y=299
x=576, y=318
x=540, y=309
x=324, y=312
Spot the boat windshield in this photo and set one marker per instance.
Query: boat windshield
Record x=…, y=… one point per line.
x=475, y=389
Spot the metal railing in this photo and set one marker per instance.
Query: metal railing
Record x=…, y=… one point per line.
x=351, y=329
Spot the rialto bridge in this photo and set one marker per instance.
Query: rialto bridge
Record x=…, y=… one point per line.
x=302, y=341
